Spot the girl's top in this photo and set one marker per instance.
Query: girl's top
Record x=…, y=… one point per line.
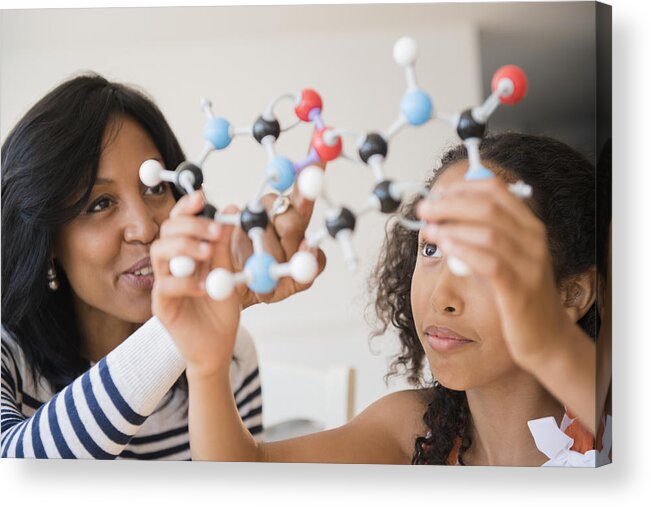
x=570, y=445
x=122, y=407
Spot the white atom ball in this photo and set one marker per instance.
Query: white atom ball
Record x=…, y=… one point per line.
x=181, y=267
x=458, y=267
x=150, y=172
x=303, y=267
x=219, y=284
x=310, y=182
x=405, y=51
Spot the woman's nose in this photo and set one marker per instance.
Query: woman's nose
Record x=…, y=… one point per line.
x=141, y=225
x=446, y=298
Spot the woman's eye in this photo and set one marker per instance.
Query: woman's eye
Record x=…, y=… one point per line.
x=159, y=189
x=430, y=250
x=100, y=204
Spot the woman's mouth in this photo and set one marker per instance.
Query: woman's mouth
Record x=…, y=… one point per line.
x=140, y=275
x=442, y=339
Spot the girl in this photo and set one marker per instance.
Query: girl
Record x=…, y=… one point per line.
x=86, y=370
x=504, y=345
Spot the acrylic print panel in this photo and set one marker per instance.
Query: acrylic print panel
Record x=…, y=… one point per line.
x=315, y=368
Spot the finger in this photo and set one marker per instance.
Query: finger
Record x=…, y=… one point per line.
x=496, y=189
x=470, y=209
x=483, y=262
x=188, y=205
x=171, y=287
x=200, y=228
x=489, y=238
x=290, y=228
x=162, y=250
x=304, y=207
x=241, y=248
x=281, y=248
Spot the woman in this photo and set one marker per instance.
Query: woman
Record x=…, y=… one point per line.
x=78, y=226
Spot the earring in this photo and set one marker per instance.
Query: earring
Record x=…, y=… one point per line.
x=52, y=280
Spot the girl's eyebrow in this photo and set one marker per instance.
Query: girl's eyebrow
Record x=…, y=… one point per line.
x=103, y=181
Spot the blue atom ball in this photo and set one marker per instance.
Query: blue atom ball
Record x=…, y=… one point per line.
x=478, y=173
x=417, y=107
x=259, y=266
x=216, y=132
x=281, y=172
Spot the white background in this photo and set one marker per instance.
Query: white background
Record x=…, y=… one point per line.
x=624, y=483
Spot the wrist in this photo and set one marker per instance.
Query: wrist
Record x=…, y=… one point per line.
x=199, y=373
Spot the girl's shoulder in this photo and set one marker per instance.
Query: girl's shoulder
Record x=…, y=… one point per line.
x=401, y=414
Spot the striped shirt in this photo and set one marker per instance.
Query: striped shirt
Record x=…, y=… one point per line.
x=122, y=407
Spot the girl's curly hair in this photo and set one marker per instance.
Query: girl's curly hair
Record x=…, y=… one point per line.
x=563, y=183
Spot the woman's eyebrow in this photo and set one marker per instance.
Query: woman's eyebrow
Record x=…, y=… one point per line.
x=103, y=181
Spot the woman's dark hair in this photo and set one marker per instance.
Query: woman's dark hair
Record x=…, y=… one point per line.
x=49, y=166
x=563, y=183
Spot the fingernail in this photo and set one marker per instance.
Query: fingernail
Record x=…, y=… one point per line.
x=204, y=248
x=214, y=229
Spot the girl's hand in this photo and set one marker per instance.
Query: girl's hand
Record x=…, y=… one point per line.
x=500, y=239
x=203, y=329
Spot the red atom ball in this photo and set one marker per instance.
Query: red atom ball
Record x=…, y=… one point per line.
x=326, y=152
x=309, y=100
x=517, y=77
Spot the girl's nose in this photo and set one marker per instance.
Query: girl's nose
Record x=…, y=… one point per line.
x=446, y=298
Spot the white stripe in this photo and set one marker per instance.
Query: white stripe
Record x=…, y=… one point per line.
x=108, y=406
x=252, y=386
x=28, y=448
x=89, y=422
x=47, y=440
x=12, y=447
x=69, y=435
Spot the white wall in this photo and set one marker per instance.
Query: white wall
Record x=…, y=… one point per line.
x=241, y=57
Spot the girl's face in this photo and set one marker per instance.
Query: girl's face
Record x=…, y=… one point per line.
x=105, y=250
x=456, y=317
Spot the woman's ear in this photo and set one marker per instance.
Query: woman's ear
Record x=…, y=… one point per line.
x=578, y=293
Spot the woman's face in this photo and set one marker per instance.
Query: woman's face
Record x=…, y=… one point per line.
x=456, y=317
x=105, y=250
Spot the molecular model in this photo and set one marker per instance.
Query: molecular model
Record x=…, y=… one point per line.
x=261, y=271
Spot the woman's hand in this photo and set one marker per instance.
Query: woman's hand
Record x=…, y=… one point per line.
x=282, y=239
x=500, y=239
x=203, y=329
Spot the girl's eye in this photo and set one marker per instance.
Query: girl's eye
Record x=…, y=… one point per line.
x=430, y=250
x=100, y=204
x=159, y=189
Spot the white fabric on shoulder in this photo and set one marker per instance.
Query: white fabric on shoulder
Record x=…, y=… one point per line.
x=554, y=443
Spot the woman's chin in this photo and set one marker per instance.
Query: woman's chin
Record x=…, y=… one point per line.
x=138, y=314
